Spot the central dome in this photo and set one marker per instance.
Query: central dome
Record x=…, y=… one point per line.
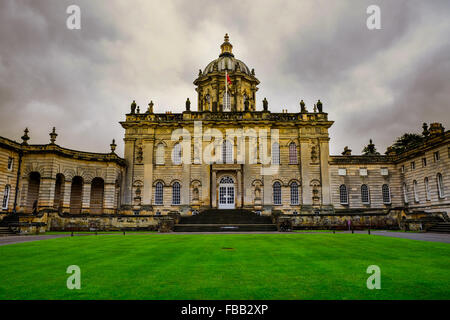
x=226, y=61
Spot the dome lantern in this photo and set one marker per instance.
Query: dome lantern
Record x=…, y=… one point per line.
x=226, y=47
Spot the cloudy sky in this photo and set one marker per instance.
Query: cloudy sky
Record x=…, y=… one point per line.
x=373, y=83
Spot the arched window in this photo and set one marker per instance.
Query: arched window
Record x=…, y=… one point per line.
x=416, y=195
x=176, y=154
x=275, y=153
x=294, y=193
x=76, y=195
x=405, y=193
x=292, y=153
x=440, y=185
x=365, y=194
x=6, y=197
x=227, y=152
x=176, y=199
x=277, y=193
x=427, y=189
x=159, y=193
x=208, y=102
x=160, y=153
x=386, y=192
x=97, y=195
x=343, y=194
x=227, y=102
x=34, y=182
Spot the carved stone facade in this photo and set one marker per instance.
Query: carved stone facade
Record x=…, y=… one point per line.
x=184, y=163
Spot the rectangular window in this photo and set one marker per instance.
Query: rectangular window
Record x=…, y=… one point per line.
x=363, y=171
x=424, y=162
x=10, y=163
x=413, y=165
x=342, y=171
x=436, y=156
x=384, y=171
x=402, y=169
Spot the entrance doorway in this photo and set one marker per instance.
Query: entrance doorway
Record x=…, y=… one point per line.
x=226, y=193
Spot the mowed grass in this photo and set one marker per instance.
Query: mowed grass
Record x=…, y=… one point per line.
x=224, y=266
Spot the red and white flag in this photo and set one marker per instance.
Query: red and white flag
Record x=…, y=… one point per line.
x=227, y=78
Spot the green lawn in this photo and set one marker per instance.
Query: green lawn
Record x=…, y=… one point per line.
x=258, y=266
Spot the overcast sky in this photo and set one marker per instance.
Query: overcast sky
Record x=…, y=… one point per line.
x=373, y=83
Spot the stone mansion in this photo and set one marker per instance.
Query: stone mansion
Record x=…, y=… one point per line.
x=57, y=188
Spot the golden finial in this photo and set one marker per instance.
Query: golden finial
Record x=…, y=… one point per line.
x=226, y=38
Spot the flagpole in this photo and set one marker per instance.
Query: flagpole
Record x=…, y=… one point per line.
x=226, y=88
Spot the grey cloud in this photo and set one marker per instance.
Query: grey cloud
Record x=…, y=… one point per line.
x=83, y=81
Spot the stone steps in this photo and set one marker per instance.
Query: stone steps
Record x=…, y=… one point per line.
x=441, y=227
x=224, y=227
x=6, y=231
x=215, y=220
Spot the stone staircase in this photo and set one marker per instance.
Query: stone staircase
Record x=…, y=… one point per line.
x=214, y=220
x=441, y=227
x=6, y=231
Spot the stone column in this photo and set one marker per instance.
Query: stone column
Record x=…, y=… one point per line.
x=66, y=195
x=46, y=193
x=128, y=179
x=239, y=189
x=213, y=189
x=86, y=197
x=325, y=171
x=148, y=173
x=305, y=159
x=109, y=198
x=23, y=201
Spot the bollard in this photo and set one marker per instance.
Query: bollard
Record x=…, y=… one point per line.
x=368, y=231
x=124, y=233
x=353, y=231
x=334, y=231
x=71, y=234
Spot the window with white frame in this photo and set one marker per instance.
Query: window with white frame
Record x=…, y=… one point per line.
x=227, y=102
x=386, y=193
x=159, y=193
x=365, y=199
x=384, y=171
x=294, y=193
x=227, y=152
x=176, y=198
x=342, y=171
x=293, y=153
x=440, y=185
x=10, y=163
x=277, y=193
x=402, y=169
x=416, y=195
x=427, y=188
x=160, y=153
x=413, y=165
x=363, y=171
x=176, y=154
x=6, y=197
x=275, y=153
x=405, y=193
x=343, y=194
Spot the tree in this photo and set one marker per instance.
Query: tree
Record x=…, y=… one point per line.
x=406, y=141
